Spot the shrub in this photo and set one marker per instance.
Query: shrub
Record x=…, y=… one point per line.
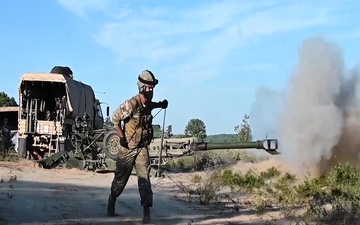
x=333, y=198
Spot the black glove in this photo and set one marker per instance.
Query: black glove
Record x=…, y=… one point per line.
x=164, y=104
x=123, y=142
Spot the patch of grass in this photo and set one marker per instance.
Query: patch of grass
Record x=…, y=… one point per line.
x=203, y=189
x=207, y=188
x=8, y=157
x=333, y=198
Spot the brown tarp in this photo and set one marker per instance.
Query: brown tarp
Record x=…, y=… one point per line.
x=80, y=96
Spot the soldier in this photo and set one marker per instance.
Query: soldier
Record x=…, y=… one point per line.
x=6, y=133
x=135, y=137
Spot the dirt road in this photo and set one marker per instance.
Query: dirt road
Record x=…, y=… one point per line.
x=32, y=195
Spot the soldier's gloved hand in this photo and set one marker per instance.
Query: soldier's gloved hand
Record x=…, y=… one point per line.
x=123, y=142
x=164, y=104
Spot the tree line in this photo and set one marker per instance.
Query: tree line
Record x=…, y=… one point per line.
x=197, y=128
x=6, y=100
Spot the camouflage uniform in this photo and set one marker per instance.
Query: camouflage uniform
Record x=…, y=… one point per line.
x=138, y=133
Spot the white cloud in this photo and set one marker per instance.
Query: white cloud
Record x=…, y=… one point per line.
x=192, y=43
x=261, y=67
x=286, y=18
x=187, y=45
x=83, y=7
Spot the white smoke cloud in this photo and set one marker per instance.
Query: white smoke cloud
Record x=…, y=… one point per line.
x=318, y=119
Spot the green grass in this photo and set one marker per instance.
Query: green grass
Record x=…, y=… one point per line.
x=8, y=157
x=333, y=198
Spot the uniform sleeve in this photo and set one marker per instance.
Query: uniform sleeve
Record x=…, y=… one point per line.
x=155, y=105
x=122, y=112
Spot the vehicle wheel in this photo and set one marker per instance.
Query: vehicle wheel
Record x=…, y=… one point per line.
x=112, y=144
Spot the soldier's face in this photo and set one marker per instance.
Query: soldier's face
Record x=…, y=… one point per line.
x=149, y=89
x=148, y=93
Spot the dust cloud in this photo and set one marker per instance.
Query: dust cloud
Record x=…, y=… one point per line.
x=318, y=124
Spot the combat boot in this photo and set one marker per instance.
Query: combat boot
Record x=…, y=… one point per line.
x=111, y=205
x=146, y=215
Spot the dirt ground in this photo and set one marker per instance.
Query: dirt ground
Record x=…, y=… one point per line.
x=32, y=195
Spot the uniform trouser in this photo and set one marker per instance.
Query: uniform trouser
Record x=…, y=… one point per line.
x=127, y=159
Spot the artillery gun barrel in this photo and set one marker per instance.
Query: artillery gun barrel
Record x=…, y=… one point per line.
x=269, y=145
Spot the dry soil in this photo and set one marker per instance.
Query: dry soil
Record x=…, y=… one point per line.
x=32, y=195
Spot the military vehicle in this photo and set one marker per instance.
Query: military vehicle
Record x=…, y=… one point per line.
x=60, y=122
x=58, y=114
x=163, y=150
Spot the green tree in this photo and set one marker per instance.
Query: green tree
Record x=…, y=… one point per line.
x=6, y=100
x=196, y=128
x=244, y=131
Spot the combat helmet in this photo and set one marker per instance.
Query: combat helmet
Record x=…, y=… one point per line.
x=146, y=79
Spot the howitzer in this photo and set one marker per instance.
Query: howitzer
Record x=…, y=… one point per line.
x=176, y=147
x=173, y=149
x=179, y=147
x=269, y=145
